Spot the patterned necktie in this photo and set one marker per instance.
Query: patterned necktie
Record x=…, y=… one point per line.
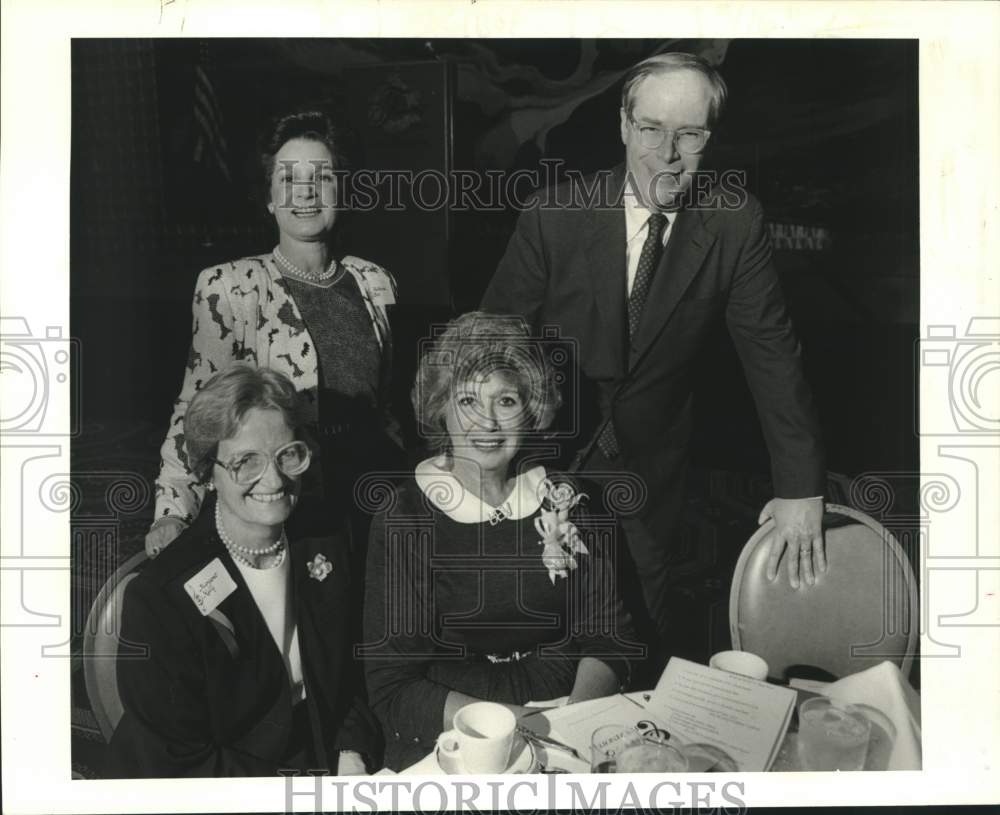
x=649, y=259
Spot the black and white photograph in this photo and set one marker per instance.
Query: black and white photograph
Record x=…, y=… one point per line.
x=444, y=408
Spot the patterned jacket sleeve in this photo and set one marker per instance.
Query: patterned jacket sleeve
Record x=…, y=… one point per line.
x=214, y=344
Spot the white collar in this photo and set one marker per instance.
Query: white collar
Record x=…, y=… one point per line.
x=636, y=216
x=448, y=495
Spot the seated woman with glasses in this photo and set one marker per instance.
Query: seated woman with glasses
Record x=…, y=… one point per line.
x=488, y=578
x=246, y=616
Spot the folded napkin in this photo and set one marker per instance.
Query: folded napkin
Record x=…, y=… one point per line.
x=884, y=688
x=559, y=702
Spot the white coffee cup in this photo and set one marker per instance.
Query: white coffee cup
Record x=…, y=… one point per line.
x=740, y=662
x=480, y=740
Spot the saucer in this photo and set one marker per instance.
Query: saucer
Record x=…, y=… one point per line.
x=522, y=758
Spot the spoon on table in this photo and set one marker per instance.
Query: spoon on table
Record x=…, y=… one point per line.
x=547, y=741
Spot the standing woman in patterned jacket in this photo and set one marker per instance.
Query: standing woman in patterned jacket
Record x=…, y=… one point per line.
x=319, y=319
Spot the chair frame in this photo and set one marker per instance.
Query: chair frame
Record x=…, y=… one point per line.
x=91, y=671
x=887, y=539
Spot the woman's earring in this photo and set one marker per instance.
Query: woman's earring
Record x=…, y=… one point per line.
x=270, y=208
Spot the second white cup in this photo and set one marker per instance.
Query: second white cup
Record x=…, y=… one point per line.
x=740, y=662
x=480, y=740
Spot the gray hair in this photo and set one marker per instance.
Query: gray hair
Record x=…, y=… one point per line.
x=676, y=61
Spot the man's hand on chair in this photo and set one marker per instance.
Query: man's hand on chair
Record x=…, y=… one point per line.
x=798, y=526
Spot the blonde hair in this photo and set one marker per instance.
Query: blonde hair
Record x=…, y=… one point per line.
x=471, y=348
x=217, y=410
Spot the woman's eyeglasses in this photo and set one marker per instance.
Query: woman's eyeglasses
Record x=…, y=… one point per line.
x=292, y=459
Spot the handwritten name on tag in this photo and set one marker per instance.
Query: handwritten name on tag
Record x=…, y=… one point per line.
x=210, y=587
x=380, y=290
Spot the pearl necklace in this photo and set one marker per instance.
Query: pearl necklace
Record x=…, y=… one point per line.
x=244, y=553
x=302, y=274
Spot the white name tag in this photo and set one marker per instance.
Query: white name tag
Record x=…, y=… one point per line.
x=380, y=290
x=210, y=587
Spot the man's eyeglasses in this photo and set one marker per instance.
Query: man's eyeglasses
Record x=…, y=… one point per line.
x=689, y=140
x=292, y=459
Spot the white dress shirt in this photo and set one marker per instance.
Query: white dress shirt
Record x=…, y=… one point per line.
x=271, y=591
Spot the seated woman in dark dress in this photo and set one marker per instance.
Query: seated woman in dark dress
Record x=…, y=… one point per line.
x=487, y=577
x=246, y=615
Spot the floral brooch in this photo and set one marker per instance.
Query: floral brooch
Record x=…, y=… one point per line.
x=561, y=541
x=319, y=567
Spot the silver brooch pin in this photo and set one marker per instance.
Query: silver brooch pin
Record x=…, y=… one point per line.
x=499, y=514
x=319, y=567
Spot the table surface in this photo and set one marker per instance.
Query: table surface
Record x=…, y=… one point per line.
x=550, y=759
x=555, y=760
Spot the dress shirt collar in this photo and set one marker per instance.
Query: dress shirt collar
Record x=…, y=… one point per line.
x=448, y=495
x=636, y=216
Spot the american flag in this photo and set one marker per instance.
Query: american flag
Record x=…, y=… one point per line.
x=210, y=143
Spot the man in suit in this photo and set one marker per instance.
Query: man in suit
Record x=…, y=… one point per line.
x=637, y=282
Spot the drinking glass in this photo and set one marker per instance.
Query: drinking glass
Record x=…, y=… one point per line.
x=606, y=743
x=642, y=755
x=832, y=735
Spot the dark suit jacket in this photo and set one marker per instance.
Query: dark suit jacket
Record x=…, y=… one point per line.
x=565, y=266
x=193, y=708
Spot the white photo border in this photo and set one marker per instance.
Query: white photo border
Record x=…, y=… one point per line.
x=959, y=178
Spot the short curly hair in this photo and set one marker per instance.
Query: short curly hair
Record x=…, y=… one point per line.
x=472, y=347
x=311, y=125
x=218, y=409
